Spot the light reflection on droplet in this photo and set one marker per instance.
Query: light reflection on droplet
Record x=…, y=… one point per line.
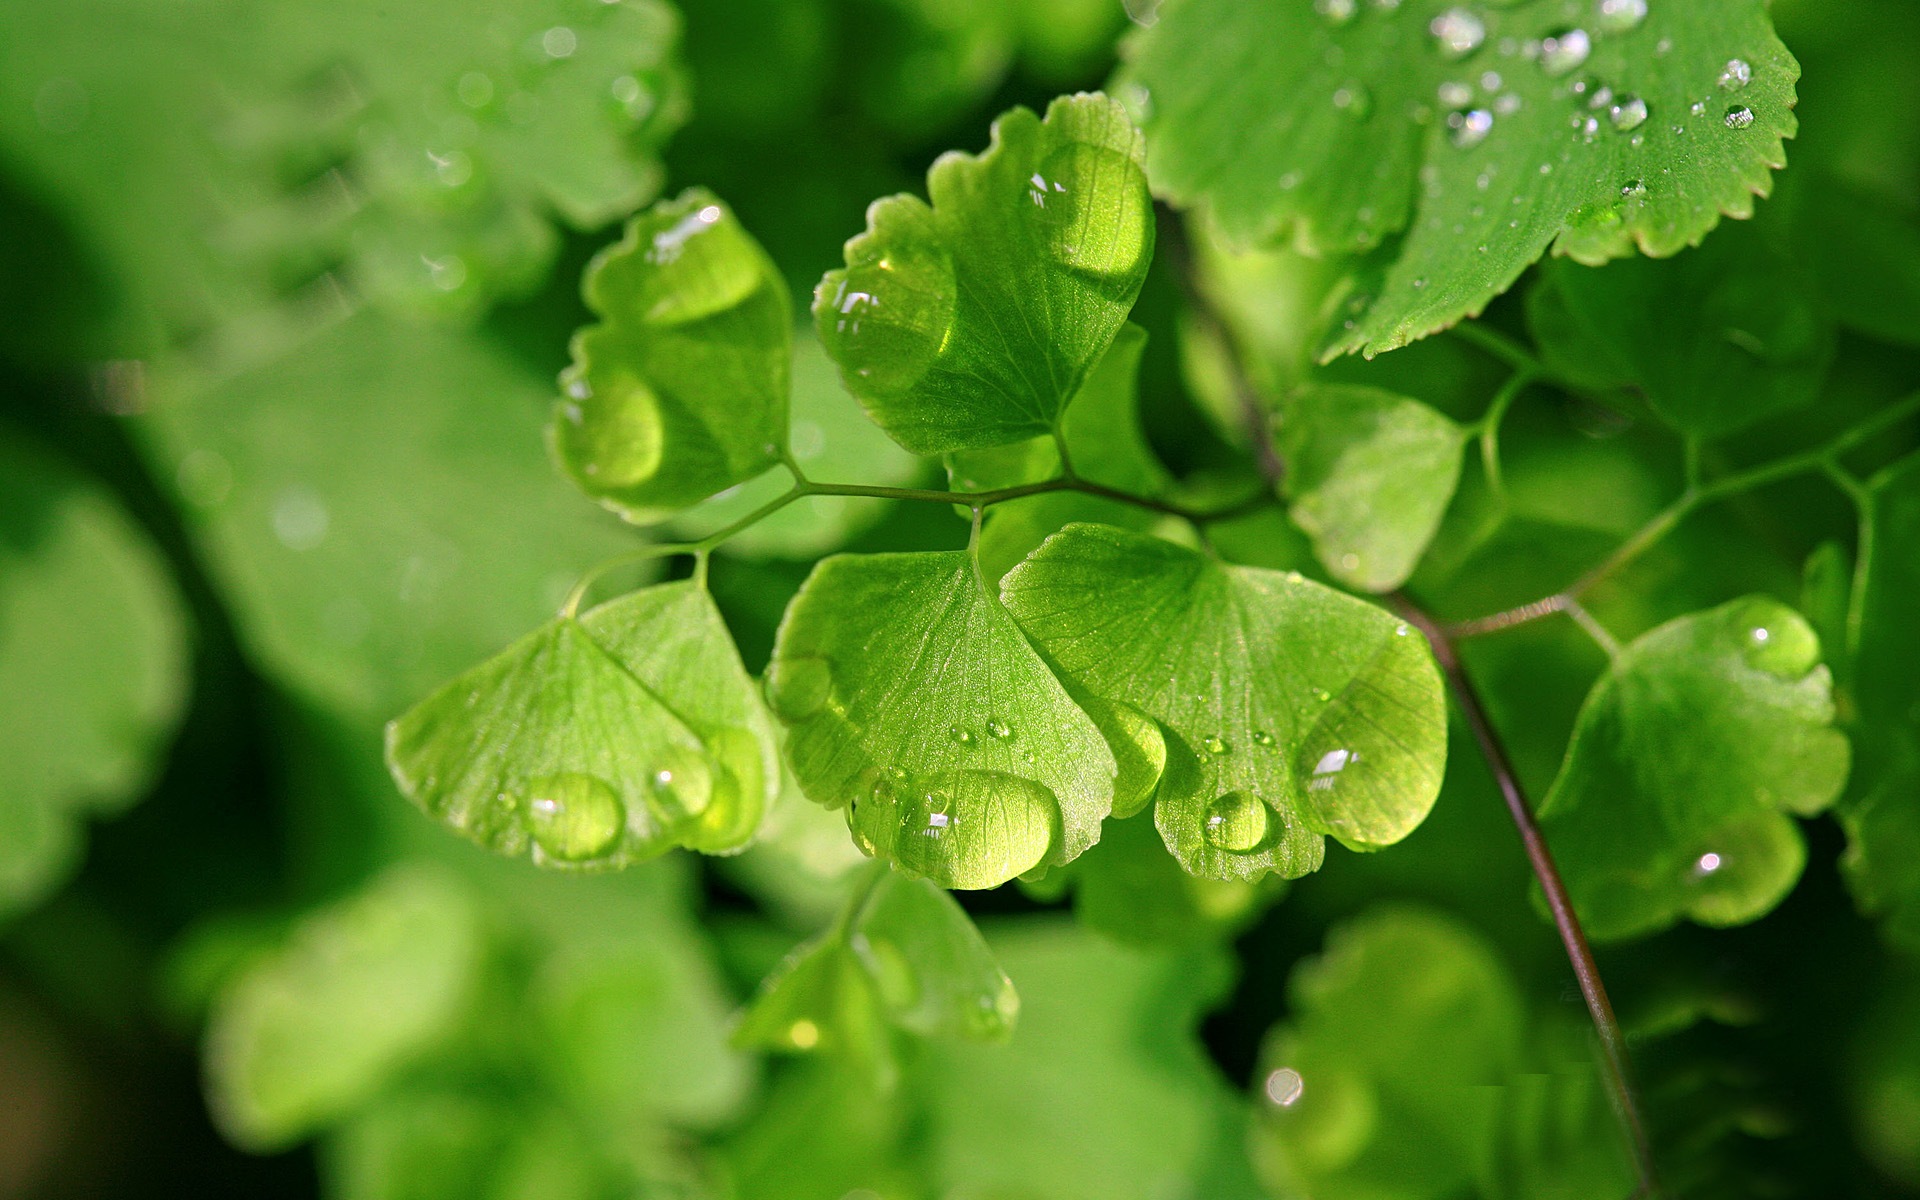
x=1284, y=1087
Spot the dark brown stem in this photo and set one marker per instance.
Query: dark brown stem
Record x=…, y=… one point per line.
x=1612, y=1044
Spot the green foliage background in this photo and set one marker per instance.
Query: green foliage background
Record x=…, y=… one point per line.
x=291, y=292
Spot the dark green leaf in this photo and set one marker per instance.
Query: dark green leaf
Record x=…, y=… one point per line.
x=914, y=701
x=1717, y=338
x=1461, y=142
x=1691, y=757
x=973, y=322
x=1290, y=710
x=681, y=390
x=1369, y=475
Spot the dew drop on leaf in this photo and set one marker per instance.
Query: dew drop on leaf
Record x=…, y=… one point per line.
x=1215, y=744
x=1564, y=51
x=615, y=439
x=1736, y=75
x=1739, y=117
x=1262, y=738
x=798, y=687
x=999, y=729
x=1470, y=127
x=1458, y=32
x=969, y=829
x=1338, y=12
x=574, y=817
x=1629, y=113
x=1285, y=1087
x=1237, y=823
x=1618, y=16
x=962, y=736
x=1777, y=640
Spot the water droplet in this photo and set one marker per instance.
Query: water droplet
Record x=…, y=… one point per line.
x=1706, y=865
x=1458, y=31
x=1618, y=16
x=970, y=829
x=300, y=518
x=1564, y=51
x=1337, y=11
x=1739, y=117
x=963, y=736
x=1216, y=744
x=798, y=686
x=1469, y=128
x=1353, y=99
x=1507, y=104
x=475, y=89
x=681, y=786
x=1238, y=823
x=991, y=1017
x=999, y=729
x=1284, y=1087
x=1776, y=640
x=1633, y=189
x=559, y=42
x=1262, y=738
x=1736, y=75
x=1629, y=113
x=574, y=817
x=1455, y=94
x=1096, y=216
x=1698, y=108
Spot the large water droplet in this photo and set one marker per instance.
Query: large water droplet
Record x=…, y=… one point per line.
x=889, y=313
x=1458, y=31
x=798, y=686
x=612, y=439
x=991, y=1017
x=973, y=829
x=1618, y=16
x=1284, y=1087
x=1736, y=74
x=680, y=787
x=1739, y=117
x=1469, y=128
x=1775, y=639
x=1369, y=767
x=1095, y=208
x=1629, y=112
x=1564, y=51
x=707, y=264
x=1237, y=823
x=999, y=729
x=574, y=817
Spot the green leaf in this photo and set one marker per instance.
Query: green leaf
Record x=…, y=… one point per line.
x=1369, y=475
x=1290, y=710
x=833, y=442
x=1457, y=144
x=1717, y=339
x=1381, y=1082
x=1411, y=1070
x=681, y=390
x=554, y=749
x=974, y=321
x=93, y=665
x=1883, y=830
x=358, y=991
x=914, y=701
x=904, y=953
x=1690, y=758
x=1141, y=1113
x=671, y=638
x=374, y=506
x=1102, y=431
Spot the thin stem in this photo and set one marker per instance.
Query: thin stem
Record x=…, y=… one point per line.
x=1488, y=428
x=1697, y=495
x=1861, y=496
x=1559, y=903
x=1594, y=629
x=669, y=549
x=1508, y=350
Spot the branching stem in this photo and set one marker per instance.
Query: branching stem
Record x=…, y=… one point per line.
x=1612, y=1043
x=1698, y=495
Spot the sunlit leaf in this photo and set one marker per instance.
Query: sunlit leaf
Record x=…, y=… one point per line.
x=1291, y=711
x=914, y=702
x=1369, y=475
x=1691, y=757
x=1459, y=142
x=357, y=992
x=973, y=321
x=681, y=390
x=93, y=667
